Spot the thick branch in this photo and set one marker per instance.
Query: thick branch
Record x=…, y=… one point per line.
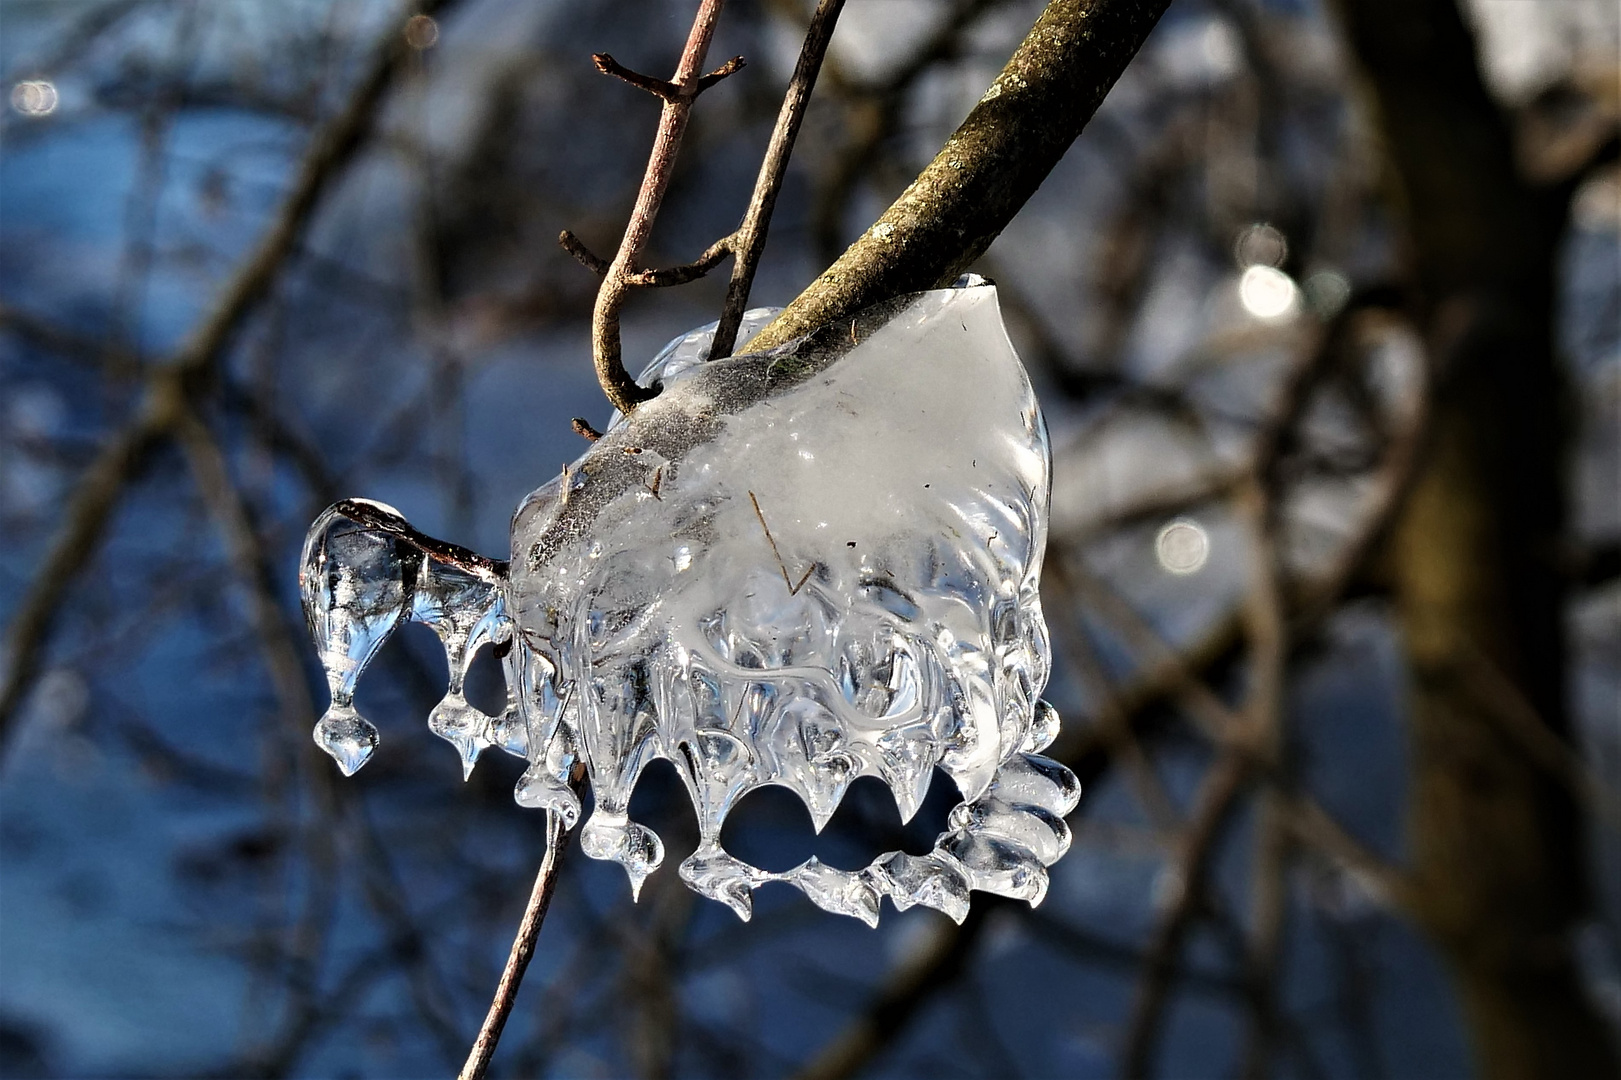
x=989, y=167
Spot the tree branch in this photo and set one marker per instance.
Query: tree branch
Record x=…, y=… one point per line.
x=621, y=389
x=523, y=950
x=989, y=167
x=749, y=241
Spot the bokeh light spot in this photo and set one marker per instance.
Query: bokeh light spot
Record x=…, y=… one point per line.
x=34, y=97
x=1261, y=245
x=1327, y=292
x=421, y=32
x=1267, y=293
x=1182, y=547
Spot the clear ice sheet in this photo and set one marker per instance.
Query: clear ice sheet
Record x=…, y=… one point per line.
x=797, y=568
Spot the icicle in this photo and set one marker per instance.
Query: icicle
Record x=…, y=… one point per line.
x=794, y=568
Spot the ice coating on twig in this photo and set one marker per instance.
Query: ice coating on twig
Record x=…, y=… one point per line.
x=793, y=568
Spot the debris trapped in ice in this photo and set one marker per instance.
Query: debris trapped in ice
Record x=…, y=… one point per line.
x=798, y=568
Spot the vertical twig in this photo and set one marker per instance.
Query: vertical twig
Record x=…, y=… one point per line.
x=678, y=96
x=749, y=240
x=523, y=950
x=1268, y=633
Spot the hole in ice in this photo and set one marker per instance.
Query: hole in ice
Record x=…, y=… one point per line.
x=485, y=687
x=660, y=801
x=771, y=827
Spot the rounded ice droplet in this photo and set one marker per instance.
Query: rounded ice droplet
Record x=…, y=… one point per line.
x=635, y=847
x=462, y=726
x=349, y=737
x=1043, y=728
x=538, y=789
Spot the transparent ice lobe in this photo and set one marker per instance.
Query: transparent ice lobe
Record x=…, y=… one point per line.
x=805, y=566
x=796, y=567
x=364, y=569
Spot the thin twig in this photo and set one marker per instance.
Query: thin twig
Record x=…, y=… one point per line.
x=750, y=239
x=622, y=390
x=1268, y=633
x=793, y=590
x=1315, y=828
x=1218, y=800
x=680, y=275
x=523, y=950
x=582, y=254
x=988, y=168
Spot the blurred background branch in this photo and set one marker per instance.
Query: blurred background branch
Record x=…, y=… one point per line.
x=1323, y=313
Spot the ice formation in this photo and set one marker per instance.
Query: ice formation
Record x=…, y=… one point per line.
x=796, y=567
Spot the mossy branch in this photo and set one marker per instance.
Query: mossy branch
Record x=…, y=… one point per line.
x=989, y=167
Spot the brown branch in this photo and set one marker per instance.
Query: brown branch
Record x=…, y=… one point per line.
x=669, y=92
x=988, y=168
x=750, y=238
x=660, y=88
x=1314, y=827
x=1267, y=630
x=523, y=947
x=186, y=373
x=938, y=961
x=731, y=67
x=680, y=275
x=620, y=388
x=582, y=254
x=583, y=427
x=1218, y=799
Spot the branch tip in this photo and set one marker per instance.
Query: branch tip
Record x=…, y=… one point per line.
x=582, y=254
x=660, y=88
x=731, y=67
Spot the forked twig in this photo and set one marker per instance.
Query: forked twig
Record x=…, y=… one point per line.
x=678, y=95
x=793, y=590
x=622, y=273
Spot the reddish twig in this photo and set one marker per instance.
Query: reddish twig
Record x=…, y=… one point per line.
x=678, y=96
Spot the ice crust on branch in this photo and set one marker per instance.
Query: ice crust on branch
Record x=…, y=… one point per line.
x=797, y=567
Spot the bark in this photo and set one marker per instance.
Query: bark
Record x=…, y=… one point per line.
x=989, y=167
x=1496, y=842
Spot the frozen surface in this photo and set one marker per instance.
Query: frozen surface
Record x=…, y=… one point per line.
x=797, y=568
